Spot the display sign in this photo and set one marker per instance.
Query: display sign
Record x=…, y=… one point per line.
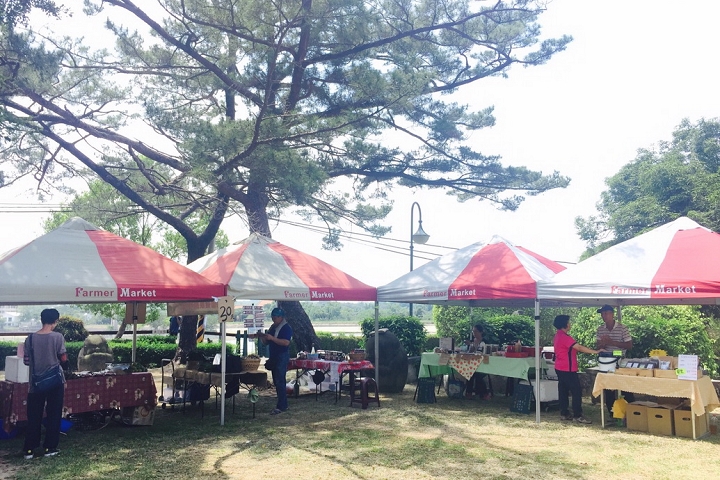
x=137, y=310
x=253, y=318
x=687, y=367
x=226, y=309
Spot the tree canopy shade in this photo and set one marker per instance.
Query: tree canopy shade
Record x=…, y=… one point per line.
x=256, y=107
x=680, y=178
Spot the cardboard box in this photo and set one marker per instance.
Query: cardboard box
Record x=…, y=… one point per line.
x=664, y=373
x=142, y=415
x=683, y=425
x=673, y=361
x=16, y=370
x=660, y=421
x=635, y=372
x=637, y=417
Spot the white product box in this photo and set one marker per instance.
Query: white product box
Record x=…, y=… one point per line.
x=548, y=390
x=16, y=370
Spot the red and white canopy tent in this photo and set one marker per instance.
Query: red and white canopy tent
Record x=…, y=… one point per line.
x=262, y=268
x=676, y=263
x=79, y=263
x=494, y=274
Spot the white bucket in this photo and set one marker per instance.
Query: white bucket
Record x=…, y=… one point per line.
x=607, y=364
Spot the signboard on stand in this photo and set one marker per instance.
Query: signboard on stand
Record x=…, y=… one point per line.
x=136, y=309
x=253, y=318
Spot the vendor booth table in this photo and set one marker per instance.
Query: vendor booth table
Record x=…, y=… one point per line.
x=90, y=393
x=334, y=371
x=235, y=381
x=195, y=386
x=700, y=392
x=434, y=364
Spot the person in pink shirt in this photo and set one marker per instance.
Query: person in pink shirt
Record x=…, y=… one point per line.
x=566, y=367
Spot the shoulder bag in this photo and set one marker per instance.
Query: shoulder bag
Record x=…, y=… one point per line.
x=52, y=378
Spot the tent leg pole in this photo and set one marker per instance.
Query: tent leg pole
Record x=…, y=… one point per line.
x=134, y=319
x=537, y=361
x=223, y=350
x=377, y=345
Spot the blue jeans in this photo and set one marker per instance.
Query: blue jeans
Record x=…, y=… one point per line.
x=279, y=374
x=51, y=402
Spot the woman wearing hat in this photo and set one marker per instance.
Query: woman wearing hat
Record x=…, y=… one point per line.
x=278, y=337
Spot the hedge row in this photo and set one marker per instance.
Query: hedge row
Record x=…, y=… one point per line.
x=151, y=349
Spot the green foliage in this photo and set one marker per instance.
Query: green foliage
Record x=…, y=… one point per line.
x=72, y=329
x=452, y=321
x=409, y=331
x=505, y=329
x=679, y=178
x=499, y=326
x=339, y=343
x=7, y=349
x=431, y=342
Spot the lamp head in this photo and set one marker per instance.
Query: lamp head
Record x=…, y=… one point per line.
x=420, y=236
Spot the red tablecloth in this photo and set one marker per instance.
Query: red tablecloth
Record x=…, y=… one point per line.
x=334, y=368
x=87, y=394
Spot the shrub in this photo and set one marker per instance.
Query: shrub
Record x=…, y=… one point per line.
x=409, y=331
x=72, y=329
x=340, y=343
x=505, y=329
x=452, y=321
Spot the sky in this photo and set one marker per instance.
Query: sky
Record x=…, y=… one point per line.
x=635, y=70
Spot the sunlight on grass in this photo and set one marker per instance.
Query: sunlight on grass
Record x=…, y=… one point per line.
x=320, y=439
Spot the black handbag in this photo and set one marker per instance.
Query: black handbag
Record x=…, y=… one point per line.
x=52, y=378
x=270, y=364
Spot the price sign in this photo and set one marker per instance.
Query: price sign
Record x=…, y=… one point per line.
x=226, y=309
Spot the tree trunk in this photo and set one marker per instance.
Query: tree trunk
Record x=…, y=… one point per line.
x=187, y=338
x=303, y=330
x=121, y=331
x=304, y=337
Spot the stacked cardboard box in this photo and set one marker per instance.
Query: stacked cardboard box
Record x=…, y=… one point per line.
x=683, y=423
x=660, y=421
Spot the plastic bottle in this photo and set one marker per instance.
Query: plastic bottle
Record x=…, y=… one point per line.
x=313, y=349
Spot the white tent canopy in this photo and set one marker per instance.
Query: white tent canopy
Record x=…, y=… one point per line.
x=676, y=263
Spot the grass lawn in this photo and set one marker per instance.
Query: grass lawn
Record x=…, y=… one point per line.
x=319, y=439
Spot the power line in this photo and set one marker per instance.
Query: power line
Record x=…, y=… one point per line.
x=372, y=241
x=359, y=238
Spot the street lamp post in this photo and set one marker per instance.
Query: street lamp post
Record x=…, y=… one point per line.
x=419, y=236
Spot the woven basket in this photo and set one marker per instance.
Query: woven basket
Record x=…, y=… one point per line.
x=356, y=357
x=250, y=364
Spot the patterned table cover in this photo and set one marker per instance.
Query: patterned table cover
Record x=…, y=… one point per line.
x=86, y=394
x=335, y=369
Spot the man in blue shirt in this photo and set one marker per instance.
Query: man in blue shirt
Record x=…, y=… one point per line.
x=278, y=337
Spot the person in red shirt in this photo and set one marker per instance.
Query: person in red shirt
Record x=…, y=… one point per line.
x=566, y=367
